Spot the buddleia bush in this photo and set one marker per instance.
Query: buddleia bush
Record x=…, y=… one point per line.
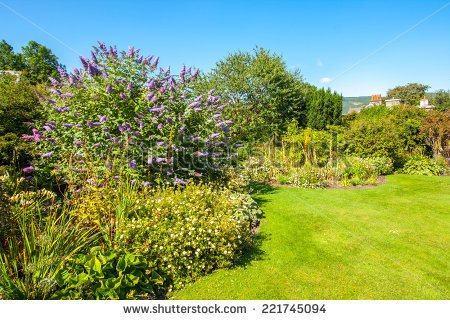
x=120, y=115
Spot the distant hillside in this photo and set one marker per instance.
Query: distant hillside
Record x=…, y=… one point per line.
x=354, y=102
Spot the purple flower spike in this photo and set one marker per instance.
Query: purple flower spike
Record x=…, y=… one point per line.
x=101, y=118
x=160, y=160
x=160, y=126
x=210, y=92
x=53, y=81
x=130, y=86
x=62, y=72
x=84, y=62
x=149, y=96
x=155, y=63
x=146, y=184
x=93, y=58
x=194, y=75
x=123, y=96
x=77, y=114
x=67, y=125
x=132, y=164
x=121, y=129
x=97, y=144
x=108, y=88
x=28, y=169
x=93, y=71
x=214, y=136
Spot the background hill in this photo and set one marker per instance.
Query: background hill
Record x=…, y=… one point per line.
x=348, y=102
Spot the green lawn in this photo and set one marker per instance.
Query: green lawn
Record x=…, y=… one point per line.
x=388, y=242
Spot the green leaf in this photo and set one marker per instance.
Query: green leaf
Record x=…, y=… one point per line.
x=133, y=279
x=156, y=278
x=94, y=265
x=121, y=264
x=113, y=283
x=95, y=249
x=61, y=277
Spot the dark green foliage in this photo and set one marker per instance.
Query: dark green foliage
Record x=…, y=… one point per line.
x=323, y=108
x=375, y=138
x=40, y=63
x=9, y=60
x=36, y=61
x=107, y=275
x=263, y=93
x=392, y=132
x=18, y=105
x=381, y=165
x=441, y=99
x=410, y=93
x=424, y=166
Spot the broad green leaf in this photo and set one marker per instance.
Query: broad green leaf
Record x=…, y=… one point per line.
x=121, y=264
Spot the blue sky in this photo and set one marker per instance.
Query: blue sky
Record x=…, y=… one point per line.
x=321, y=38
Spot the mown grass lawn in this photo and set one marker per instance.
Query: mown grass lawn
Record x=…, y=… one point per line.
x=388, y=242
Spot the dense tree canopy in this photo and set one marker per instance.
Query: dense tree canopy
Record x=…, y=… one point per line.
x=410, y=93
x=324, y=108
x=263, y=93
x=441, y=99
x=36, y=60
x=9, y=60
x=18, y=106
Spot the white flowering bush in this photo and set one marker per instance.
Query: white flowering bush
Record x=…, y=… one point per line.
x=382, y=165
x=192, y=231
x=260, y=169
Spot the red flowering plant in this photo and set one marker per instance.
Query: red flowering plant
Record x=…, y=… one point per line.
x=119, y=115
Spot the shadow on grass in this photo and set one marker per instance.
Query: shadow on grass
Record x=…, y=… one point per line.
x=256, y=189
x=254, y=253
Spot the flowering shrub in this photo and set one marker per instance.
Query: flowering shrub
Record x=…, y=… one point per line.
x=358, y=168
x=382, y=165
x=424, y=166
x=260, y=169
x=309, y=177
x=191, y=232
x=119, y=114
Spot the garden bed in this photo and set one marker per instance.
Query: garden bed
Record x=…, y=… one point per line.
x=381, y=181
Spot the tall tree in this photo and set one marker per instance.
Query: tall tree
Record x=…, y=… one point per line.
x=324, y=108
x=410, y=93
x=441, y=99
x=263, y=93
x=40, y=62
x=9, y=60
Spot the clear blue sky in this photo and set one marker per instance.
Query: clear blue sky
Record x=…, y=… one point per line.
x=321, y=38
